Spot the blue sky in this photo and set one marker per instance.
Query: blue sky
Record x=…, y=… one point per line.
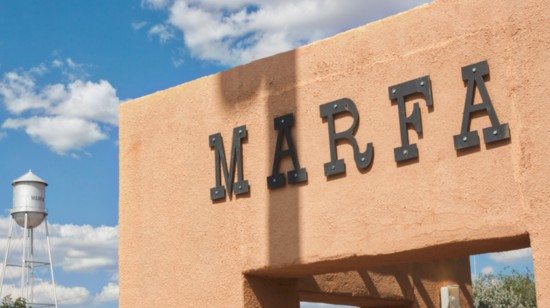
x=66, y=65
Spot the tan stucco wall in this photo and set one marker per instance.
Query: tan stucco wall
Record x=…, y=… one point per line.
x=177, y=246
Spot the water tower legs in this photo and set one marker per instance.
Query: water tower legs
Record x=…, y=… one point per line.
x=50, y=257
x=24, y=259
x=28, y=263
x=6, y=256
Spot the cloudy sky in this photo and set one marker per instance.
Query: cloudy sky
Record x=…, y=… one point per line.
x=66, y=66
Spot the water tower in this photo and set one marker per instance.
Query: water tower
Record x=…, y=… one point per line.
x=28, y=212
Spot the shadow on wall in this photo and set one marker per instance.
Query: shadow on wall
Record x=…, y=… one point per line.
x=407, y=285
x=275, y=76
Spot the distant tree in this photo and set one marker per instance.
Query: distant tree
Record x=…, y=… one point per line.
x=505, y=290
x=8, y=302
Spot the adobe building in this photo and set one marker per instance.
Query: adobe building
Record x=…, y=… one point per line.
x=363, y=169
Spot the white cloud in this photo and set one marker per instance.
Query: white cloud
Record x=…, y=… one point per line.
x=138, y=25
x=74, y=71
x=487, y=270
x=39, y=70
x=71, y=63
x=86, y=100
x=79, y=249
x=155, y=4
x=176, y=62
x=71, y=295
x=238, y=31
x=85, y=248
x=76, y=248
x=512, y=256
x=178, y=56
x=18, y=91
x=60, y=134
x=57, y=63
x=64, y=116
x=43, y=293
x=11, y=274
x=163, y=32
x=71, y=264
x=108, y=294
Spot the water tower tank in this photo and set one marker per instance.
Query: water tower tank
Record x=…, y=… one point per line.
x=29, y=195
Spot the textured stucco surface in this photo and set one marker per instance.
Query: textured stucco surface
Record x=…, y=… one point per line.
x=177, y=246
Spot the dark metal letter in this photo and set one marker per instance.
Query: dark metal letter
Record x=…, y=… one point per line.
x=398, y=92
x=474, y=74
x=362, y=160
x=282, y=125
x=241, y=186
